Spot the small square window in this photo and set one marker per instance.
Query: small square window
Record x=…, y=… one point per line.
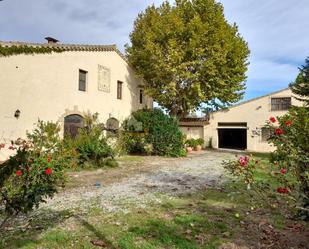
x=82, y=82
x=280, y=104
x=119, y=89
x=141, y=96
x=266, y=133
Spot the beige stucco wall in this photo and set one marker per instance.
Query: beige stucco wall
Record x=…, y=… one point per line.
x=192, y=132
x=255, y=113
x=46, y=87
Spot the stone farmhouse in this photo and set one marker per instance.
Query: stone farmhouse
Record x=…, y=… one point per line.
x=63, y=87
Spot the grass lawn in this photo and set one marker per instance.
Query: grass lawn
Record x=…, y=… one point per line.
x=204, y=219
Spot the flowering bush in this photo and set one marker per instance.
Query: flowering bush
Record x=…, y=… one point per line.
x=34, y=172
x=291, y=139
x=243, y=167
x=288, y=178
x=90, y=147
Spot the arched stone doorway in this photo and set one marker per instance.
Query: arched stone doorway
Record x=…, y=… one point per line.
x=112, y=126
x=72, y=123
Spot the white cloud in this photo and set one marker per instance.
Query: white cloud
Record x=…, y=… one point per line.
x=276, y=31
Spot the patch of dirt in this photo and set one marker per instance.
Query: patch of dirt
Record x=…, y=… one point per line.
x=140, y=183
x=264, y=236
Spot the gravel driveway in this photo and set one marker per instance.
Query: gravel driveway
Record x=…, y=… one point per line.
x=156, y=178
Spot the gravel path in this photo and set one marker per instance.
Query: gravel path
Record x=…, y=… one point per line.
x=169, y=178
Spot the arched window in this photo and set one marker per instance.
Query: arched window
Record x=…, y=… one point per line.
x=112, y=126
x=72, y=123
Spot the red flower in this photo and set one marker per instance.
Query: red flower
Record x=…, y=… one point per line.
x=288, y=123
x=283, y=171
x=282, y=190
x=11, y=147
x=19, y=173
x=272, y=119
x=278, y=131
x=48, y=171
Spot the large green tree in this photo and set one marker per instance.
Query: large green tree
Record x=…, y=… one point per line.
x=188, y=55
x=301, y=84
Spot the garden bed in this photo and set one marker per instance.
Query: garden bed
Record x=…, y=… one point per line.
x=155, y=202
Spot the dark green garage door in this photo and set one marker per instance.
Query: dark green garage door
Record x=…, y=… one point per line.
x=232, y=138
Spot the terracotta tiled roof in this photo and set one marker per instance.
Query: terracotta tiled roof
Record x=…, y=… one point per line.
x=194, y=122
x=67, y=47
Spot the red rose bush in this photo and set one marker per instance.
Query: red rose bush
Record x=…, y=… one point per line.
x=35, y=171
x=288, y=169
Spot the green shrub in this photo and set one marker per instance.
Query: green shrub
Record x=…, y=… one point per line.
x=91, y=145
x=200, y=141
x=191, y=143
x=209, y=144
x=152, y=132
x=195, y=142
x=34, y=172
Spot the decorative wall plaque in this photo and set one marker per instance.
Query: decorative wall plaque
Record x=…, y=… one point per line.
x=104, y=79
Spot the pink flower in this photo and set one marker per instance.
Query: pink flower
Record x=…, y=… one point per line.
x=243, y=161
x=278, y=131
x=48, y=171
x=11, y=147
x=272, y=119
x=283, y=171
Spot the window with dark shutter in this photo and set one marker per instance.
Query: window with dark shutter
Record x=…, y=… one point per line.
x=82, y=80
x=266, y=133
x=141, y=92
x=280, y=104
x=119, y=89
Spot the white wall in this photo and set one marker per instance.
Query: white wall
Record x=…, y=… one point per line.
x=255, y=113
x=192, y=132
x=45, y=87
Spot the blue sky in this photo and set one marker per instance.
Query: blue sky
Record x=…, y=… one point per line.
x=276, y=30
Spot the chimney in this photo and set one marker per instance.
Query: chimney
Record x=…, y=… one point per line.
x=51, y=40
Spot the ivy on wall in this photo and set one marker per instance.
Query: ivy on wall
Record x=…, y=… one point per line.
x=16, y=50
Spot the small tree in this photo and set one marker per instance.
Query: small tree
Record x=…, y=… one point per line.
x=301, y=85
x=188, y=55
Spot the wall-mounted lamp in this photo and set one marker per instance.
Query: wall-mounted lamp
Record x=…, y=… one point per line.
x=17, y=114
x=258, y=108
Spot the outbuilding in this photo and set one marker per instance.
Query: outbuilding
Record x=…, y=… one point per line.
x=242, y=126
